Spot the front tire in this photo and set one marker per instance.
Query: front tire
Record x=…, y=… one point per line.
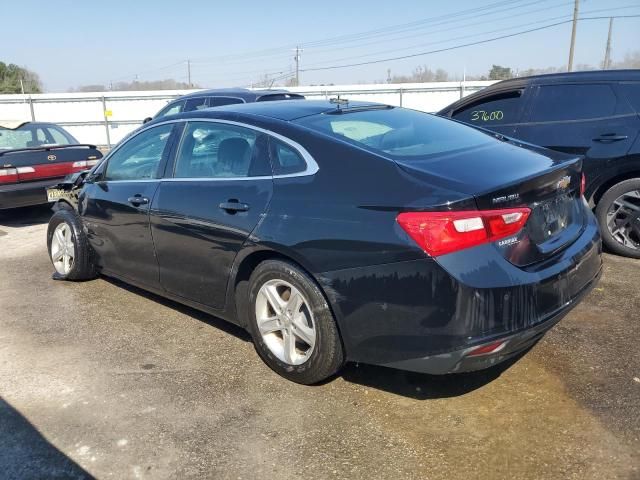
x=69, y=250
x=618, y=213
x=292, y=326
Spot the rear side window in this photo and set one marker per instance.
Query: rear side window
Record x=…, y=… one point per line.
x=494, y=110
x=285, y=159
x=218, y=150
x=195, y=104
x=220, y=101
x=632, y=92
x=573, y=102
x=398, y=132
x=58, y=137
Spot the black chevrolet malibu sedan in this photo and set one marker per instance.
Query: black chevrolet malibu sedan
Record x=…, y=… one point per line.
x=339, y=232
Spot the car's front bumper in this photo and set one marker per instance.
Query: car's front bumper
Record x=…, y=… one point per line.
x=25, y=194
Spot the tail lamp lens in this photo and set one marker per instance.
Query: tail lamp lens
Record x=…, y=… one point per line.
x=583, y=185
x=439, y=233
x=8, y=175
x=487, y=349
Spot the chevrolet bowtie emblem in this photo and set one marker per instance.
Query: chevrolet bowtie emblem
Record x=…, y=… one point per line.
x=563, y=183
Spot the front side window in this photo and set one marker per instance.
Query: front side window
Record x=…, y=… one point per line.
x=498, y=109
x=397, y=132
x=171, y=109
x=573, y=102
x=217, y=150
x=140, y=157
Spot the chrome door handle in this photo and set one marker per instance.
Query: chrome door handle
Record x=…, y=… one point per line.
x=138, y=200
x=232, y=206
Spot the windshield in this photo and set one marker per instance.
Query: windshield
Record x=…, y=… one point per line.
x=29, y=136
x=397, y=132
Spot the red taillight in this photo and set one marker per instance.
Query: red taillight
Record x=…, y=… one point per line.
x=583, y=185
x=8, y=175
x=493, y=347
x=438, y=233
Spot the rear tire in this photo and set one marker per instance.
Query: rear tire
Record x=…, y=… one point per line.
x=297, y=338
x=69, y=249
x=620, y=225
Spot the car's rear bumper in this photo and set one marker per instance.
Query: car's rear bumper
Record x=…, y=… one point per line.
x=463, y=360
x=25, y=194
x=427, y=314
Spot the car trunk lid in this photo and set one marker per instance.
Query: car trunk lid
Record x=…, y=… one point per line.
x=503, y=175
x=40, y=163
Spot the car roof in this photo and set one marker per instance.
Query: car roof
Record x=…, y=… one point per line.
x=243, y=93
x=280, y=110
x=15, y=124
x=548, y=78
x=571, y=77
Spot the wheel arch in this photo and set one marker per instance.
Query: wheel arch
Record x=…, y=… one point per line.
x=237, y=290
x=62, y=205
x=602, y=188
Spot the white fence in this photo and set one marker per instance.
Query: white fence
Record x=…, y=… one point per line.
x=103, y=118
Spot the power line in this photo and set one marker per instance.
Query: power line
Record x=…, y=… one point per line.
x=360, y=35
x=550, y=19
x=479, y=42
x=448, y=29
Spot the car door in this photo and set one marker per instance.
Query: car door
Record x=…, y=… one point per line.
x=221, y=188
x=499, y=111
x=590, y=119
x=115, y=205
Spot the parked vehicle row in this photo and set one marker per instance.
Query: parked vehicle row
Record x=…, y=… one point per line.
x=339, y=231
x=593, y=114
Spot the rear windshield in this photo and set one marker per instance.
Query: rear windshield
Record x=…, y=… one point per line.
x=28, y=136
x=398, y=132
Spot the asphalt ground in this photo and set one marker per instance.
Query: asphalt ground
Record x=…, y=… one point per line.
x=99, y=379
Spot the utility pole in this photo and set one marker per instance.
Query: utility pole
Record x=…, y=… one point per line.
x=607, y=52
x=189, y=73
x=388, y=75
x=573, y=34
x=297, y=59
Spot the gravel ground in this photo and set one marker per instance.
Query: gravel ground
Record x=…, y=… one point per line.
x=98, y=379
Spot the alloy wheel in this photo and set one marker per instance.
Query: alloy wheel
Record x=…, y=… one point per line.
x=62, y=249
x=623, y=219
x=285, y=322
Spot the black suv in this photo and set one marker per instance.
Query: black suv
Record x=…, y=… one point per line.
x=595, y=114
x=220, y=97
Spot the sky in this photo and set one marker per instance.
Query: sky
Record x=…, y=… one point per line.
x=71, y=43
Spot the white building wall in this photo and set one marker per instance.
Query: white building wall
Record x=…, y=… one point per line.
x=83, y=114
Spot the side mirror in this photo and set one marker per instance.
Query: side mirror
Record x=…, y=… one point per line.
x=147, y=120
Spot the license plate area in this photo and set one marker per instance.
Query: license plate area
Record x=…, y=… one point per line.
x=551, y=218
x=54, y=194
